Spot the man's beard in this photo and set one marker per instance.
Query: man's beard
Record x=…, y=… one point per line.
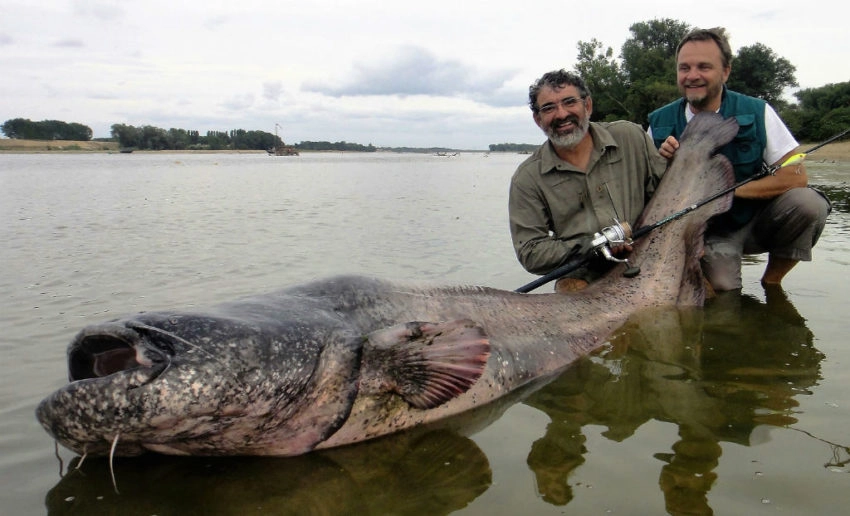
x=571, y=139
x=701, y=101
x=697, y=101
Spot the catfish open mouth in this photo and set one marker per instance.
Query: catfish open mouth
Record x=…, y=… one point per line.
x=110, y=349
x=101, y=355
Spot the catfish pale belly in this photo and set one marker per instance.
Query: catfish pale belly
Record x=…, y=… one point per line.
x=350, y=358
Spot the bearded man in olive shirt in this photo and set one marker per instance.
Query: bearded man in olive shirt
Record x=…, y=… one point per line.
x=586, y=176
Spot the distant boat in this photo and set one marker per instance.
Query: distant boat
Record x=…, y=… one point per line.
x=126, y=150
x=280, y=149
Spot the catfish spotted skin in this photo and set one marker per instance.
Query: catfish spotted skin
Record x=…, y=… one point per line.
x=350, y=358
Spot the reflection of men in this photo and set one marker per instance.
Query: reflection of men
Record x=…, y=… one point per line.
x=775, y=214
x=715, y=393
x=584, y=177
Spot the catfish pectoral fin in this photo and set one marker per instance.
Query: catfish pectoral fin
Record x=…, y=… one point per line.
x=427, y=363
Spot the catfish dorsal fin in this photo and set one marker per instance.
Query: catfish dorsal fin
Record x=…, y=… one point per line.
x=427, y=363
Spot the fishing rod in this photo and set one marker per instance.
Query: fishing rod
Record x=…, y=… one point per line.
x=621, y=233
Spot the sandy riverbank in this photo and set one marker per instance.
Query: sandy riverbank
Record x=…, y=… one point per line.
x=15, y=145
x=838, y=151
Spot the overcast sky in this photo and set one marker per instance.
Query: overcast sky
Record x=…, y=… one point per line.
x=390, y=73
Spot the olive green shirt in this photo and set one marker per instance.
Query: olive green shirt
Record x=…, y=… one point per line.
x=554, y=206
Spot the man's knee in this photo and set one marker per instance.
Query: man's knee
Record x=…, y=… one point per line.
x=807, y=205
x=722, y=280
x=721, y=264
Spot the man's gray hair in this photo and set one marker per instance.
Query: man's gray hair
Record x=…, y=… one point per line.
x=555, y=79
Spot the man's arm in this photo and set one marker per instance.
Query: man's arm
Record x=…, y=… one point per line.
x=786, y=178
x=536, y=249
x=779, y=141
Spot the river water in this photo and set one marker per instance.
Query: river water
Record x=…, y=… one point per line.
x=737, y=408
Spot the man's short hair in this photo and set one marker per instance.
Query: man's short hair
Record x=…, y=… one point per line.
x=716, y=34
x=555, y=79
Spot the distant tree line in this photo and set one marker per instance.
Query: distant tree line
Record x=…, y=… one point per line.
x=418, y=150
x=25, y=129
x=154, y=138
x=148, y=137
x=513, y=147
x=337, y=146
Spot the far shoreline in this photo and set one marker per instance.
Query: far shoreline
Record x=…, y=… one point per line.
x=836, y=151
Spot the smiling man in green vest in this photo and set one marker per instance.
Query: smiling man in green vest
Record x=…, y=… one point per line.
x=777, y=214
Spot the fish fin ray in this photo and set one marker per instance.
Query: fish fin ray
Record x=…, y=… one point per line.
x=711, y=128
x=430, y=363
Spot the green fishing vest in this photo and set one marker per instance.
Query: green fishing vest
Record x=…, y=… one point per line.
x=744, y=151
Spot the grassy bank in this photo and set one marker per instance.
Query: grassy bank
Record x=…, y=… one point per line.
x=14, y=145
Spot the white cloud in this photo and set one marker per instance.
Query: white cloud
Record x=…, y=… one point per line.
x=272, y=90
x=70, y=43
x=102, y=10
x=413, y=70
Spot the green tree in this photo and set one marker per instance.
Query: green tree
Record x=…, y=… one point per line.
x=643, y=78
x=514, y=147
x=217, y=140
x=651, y=49
x=821, y=112
x=22, y=128
x=16, y=128
x=757, y=71
x=178, y=139
x=649, y=62
x=153, y=138
x=126, y=135
x=78, y=132
x=605, y=79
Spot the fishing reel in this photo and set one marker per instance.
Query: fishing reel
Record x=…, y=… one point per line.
x=618, y=234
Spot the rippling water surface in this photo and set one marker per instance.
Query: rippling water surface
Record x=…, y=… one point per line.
x=739, y=408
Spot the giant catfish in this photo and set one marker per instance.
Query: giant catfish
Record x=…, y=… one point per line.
x=345, y=359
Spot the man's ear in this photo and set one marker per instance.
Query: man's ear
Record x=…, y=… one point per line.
x=537, y=119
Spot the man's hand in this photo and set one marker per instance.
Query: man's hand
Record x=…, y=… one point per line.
x=620, y=250
x=669, y=147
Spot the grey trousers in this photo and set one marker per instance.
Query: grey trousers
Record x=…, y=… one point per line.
x=787, y=227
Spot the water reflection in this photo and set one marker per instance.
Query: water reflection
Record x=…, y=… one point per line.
x=435, y=473
x=839, y=196
x=716, y=373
